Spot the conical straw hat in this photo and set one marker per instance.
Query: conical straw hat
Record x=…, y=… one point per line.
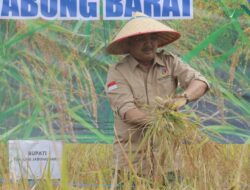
x=141, y=24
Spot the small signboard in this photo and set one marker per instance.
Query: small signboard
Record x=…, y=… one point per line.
x=34, y=159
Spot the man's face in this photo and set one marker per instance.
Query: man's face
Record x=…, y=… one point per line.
x=143, y=47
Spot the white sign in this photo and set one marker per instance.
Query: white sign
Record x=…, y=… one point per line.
x=31, y=159
x=90, y=9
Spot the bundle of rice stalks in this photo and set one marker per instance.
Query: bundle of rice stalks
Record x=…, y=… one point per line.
x=176, y=142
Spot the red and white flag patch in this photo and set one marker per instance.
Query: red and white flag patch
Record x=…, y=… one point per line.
x=112, y=86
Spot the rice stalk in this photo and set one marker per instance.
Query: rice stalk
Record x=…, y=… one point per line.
x=236, y=183
x=92, y=93
x=175, y=139
x=235, y=61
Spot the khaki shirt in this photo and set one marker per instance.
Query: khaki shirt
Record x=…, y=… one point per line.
x=128, y=87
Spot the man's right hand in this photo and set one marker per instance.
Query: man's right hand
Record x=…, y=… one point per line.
x=136, y=117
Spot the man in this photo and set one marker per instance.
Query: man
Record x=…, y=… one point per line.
x=140, y=77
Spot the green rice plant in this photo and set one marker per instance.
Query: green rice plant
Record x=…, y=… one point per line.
x=50, y=69
x=32, y=103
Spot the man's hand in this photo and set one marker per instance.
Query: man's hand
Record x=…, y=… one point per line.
x=136, y=117
x=171, y=103
x=195, y=90
x=179, y=101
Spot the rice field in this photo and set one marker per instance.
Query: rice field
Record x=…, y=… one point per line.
x=89, y=166
x=52, y=78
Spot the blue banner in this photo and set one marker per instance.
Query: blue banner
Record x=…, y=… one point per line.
x=90, y=9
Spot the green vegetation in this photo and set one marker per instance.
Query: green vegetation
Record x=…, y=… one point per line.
x=52, y=78
x=52, y=73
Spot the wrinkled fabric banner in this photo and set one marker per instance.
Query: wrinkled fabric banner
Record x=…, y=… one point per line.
x=53, y=72
x=90, y=9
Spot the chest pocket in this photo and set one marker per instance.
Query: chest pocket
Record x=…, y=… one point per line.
x=139, y=93
x=166, y=85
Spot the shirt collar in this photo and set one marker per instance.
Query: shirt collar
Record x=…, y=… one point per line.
x=158, y=60
x=134, y=63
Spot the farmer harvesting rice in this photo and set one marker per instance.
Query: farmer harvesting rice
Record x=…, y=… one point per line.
x=139, y=79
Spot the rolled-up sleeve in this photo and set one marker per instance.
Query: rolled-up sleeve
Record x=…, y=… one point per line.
x=119, y=93
x=185, y=74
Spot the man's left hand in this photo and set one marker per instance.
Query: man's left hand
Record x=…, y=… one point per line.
x=178, y=102
x=173, y=104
